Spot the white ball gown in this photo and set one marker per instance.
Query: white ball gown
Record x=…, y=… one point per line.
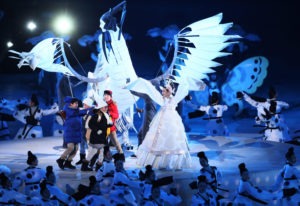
x=165, y=145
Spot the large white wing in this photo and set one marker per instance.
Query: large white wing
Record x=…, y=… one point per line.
x=144, y=86
x=195, y=48
x=49, y=55
x=43, y=56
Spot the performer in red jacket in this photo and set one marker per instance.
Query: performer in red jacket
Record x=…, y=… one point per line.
x=114, y=114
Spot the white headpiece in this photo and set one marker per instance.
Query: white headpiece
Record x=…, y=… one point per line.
x=169, y=85
x=88, y=101
x=100, y=104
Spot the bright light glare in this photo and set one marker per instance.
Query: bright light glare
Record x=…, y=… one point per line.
x=31, y=26
x=63, y=24
x=9, y=44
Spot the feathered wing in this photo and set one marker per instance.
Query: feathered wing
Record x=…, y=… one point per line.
x=49, y=55
x=43, y=56
x=195, y=48
x=246, y=76
x=144, y=86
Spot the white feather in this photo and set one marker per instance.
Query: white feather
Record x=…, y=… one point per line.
x=196, y=46
x=204, y=23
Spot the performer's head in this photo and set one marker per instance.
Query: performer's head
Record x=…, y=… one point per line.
x=119, y=160
x=101, y=106
x=272, y=93
x=244, y=172
x=290, y=156
x=50, y=176
x=33, y=100
x=87, y=103
x=168, y=88
x=273, y=107
x=94, y=185
x=32, y=159
x=214, y=98
x=5, y=182
x=72, y=101
x=107, y=95
x=202, y=159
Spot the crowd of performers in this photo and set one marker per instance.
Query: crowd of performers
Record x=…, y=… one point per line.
x=112, y=184
x=92, y=128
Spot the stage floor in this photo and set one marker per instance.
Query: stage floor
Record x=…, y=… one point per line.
x=263, y=159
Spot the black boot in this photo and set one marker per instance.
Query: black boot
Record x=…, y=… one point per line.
x=93, y=160
x=69, y=165
x=85, y=166
x=82, y=157
x=60, y=163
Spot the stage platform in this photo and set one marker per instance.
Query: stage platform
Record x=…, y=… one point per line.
x=263, y=159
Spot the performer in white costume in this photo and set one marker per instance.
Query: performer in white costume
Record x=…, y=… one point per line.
x=55, y=191
x=247, y=193
x=165, y=145
x=269, y=114
x=31, y=117
x=9, y=196
x=214, y=111
x=213, y=174
x=204, y=196
x=30, y=177
x=287, y=182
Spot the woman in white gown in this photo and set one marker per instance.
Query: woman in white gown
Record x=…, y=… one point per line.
x=165, y=144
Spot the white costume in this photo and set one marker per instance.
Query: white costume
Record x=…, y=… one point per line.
x=213, y=178
x=94, y=200
x=12, y=197
x=61, y=196
x=31, y=177
x=120, y=192
x=105, y=176
x=203, y=199
x=276, y=128
x=56, y=192
x=95, y=197
x=50, y=202
x=7, y=107
x=165, y=144
x=215, y=125
x=29, y=130
x=165, y=197
x=9, y=196
x=288, y=181
x=247, y=194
